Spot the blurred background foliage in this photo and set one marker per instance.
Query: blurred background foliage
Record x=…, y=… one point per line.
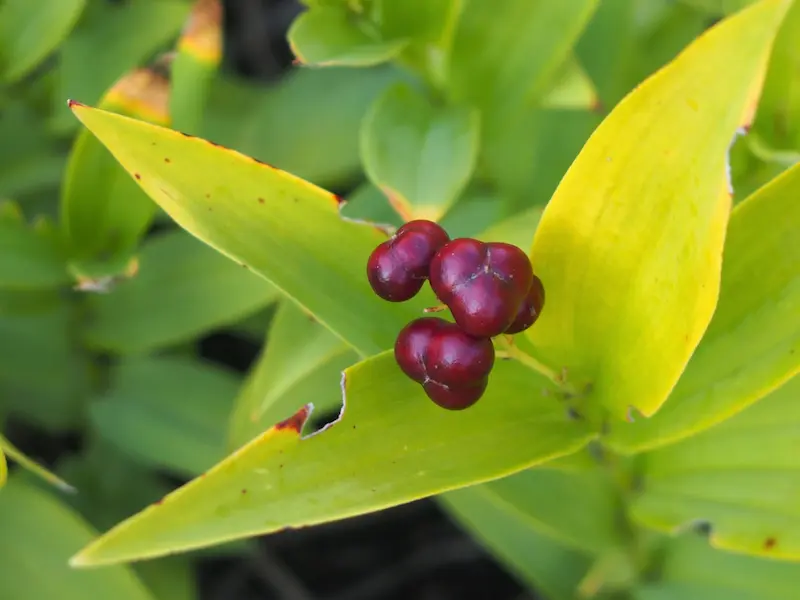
x=133, y=357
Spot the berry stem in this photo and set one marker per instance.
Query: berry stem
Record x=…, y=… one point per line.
x=507, y=349
x=435, y=309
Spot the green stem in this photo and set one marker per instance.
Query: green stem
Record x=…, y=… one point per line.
x=507, y=349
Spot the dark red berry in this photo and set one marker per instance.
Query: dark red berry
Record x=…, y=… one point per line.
x=452, y=366
x=398, y=268
x=531, y=308
x=483, y=284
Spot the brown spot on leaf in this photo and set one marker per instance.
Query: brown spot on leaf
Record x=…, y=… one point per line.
x=72, y=103
x=261, y=162
x=185, y=134
x=244, y=492
x=208, y=195
x=137, y=176
x=261, y=201
x=770, y=543
x=296, y=421
x=166, y=160
x=158, y=502
x=339, y=199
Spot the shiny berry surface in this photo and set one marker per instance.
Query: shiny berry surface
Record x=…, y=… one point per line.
x=483, y=284
x=452, y=366
x=531, y=308
x=398, y=267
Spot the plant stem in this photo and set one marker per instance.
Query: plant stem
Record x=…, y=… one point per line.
x=507, y=349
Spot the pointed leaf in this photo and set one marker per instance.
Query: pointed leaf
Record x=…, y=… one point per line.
x=572, y=89
x=742, y=477
x=546, y=565
x=26, y=463
x=637, y=225
x=183, y=288
x=256, y=214
x=332, y=35
x=391, y=446
x=302, y=363
x=29, y=33
x=752, y=345
x=421, y=156
x=167, y=412
x=39, y=534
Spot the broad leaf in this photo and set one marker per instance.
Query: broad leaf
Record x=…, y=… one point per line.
x=742, y=477
x=417, y=20
x=170, y=578
x=13, y=453
x=332, y=35
x=691, y=570
x=420, y=155
x=167, y=412
x=753, y=343
x=544, y=564
x=572, y=89
x=39, y=534
x=183, y=288
x=718, y=7
x=104, y=214
x=31, y=257
x=497, y=45
x=637, y=225
x=391, y=446
x=259, y=216
x=29, y=33
x=302, y=364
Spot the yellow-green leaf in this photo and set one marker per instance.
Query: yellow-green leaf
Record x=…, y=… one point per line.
x=630, y=247
x=391, y=446
x=742, y=478
x=752, y=345
x=573, y=89
x=260, y=216
x=3, y=468
x=26, y=463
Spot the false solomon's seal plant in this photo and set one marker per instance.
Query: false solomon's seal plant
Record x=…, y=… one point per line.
x=656, y=391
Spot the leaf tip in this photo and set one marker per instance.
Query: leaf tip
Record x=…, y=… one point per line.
x=73, y=104
x=296, y=421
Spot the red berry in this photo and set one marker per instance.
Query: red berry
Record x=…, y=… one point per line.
x=452, y=366
x=398, y=268
x=531, y=308
x=483, y=284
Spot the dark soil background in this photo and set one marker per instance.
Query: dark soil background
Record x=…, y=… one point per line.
x=412, y=552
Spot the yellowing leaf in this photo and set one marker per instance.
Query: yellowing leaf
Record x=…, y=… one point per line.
x=3, y=469
x=630, y=246
x=391, y=446
x=752, y=345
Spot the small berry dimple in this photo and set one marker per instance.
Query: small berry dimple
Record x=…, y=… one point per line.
x=452, y=366
x=398, y=268
x=530, y=310
x=483, y=284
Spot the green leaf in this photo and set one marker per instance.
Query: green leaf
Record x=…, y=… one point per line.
x=332, y=35
x=753, y=343
x=302, y=363
x=194, y=67
x=3, y=469
x=167, y=412
x=29, y=33
x=417, y=20
x=170, y=578
x=498, y=45
x=114, y=38
x=39, y=534
x=742, y=477
x=544, y=564
x=104, y=214
x=637, y=225
x=718, y=7
x=259, y=216
x=43, y=376
x=573, y=89
x=32, y=466
x=285, y=125
x=691, y=570
x=183, y=289
x=517, y=230
x=30, y=257
x=778, y=117
x=576, y=508
x=420, y=155
x=391, y=446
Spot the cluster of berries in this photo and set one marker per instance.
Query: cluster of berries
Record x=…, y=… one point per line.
x=489, y=288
